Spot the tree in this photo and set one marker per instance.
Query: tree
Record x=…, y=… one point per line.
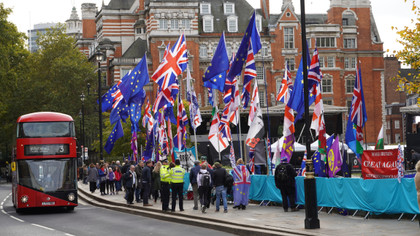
x=12, y=70
x=410, y=54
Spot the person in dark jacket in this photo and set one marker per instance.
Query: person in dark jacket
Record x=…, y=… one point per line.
x=92, y=177
x=130, y=184
x=139, y=171
x=219, y=177
x=147, y=182
x=284, y=178
x=193, y=180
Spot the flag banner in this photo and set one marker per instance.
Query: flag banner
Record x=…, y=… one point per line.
x=251, y=163
x=286, y=84
x=251, y=36
x=195, y=115
x=215, y=74
x=111, y=97
x=218, y=141
x=256, y=131
x=255, y=104
x=319, y=165
x=135, y=105
x=135, y=80
x=400, y=163
x=134, y=145
x=232, y=156
x=302, y=170
x=334, y=158
x=380, y=164
x=249, y=74
x=241, y=185
x=117, y=132
x=186, y=157
x=287, y=148
x=150, y=144
x=172, y=65
x=380, y=141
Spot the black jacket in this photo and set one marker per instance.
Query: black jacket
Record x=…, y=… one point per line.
x=146, y=175
x=291, y=174
x=219, y=176
x=128, y=180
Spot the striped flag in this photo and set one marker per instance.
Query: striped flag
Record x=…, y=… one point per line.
x=219, y=142
x=286, y=83
x=255, y=103
x=232, y=156
x=249, y=74
x=380, y=141
x=302, y=171
x=318, y=122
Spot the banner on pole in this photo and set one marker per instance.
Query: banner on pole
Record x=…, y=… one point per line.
x=379, y=164
x=186, y=157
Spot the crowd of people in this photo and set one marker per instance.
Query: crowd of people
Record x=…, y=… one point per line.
x=148, y=181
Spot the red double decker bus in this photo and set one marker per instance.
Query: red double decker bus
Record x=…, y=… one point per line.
x=45, y=163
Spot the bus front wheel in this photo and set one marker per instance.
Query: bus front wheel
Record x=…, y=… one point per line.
x=70, y=208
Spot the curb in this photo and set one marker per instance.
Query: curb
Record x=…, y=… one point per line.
x=199, y=221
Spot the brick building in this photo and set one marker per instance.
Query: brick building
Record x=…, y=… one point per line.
x=347, y=33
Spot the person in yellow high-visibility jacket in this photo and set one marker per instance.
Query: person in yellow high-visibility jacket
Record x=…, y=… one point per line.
x=177, y=184
x=165, y=181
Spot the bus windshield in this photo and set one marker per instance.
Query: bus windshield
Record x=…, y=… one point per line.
x=47, y=175
x=45, y=129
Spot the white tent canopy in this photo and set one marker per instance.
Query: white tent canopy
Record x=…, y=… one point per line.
x=297, y=146
x=314, y=145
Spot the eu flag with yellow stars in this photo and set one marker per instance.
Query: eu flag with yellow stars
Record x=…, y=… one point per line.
x=137, y=78
x=215, y=75
x=136, y=103
x=116, y=133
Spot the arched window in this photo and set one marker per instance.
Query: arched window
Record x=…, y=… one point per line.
x=349, y=18
x=350, y=83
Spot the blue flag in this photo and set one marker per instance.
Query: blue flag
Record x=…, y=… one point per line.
x=251, y=36
x=169, y=113
x=215, y=75
x=297, y=97
x=119, y=112
x=135, y=81
x=116, y=133
x=150, y=144
x=107, y=98
x=136, y=103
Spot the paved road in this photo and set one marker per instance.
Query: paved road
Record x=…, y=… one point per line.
x=85, y=220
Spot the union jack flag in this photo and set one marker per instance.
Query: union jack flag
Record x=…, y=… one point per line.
x=219, y=142
x=147, y=118
x=242, y=175
x=252, y=159
x=286, y=84
x=249, y=74
x=255, y=103
x=314, y=73
x=230, y=88
x=224, y=128
x=302, y=170
x=164, y=97
x=358, y=115
x=195, y=115
x=172, y=65
x=182, y=121
x=234, y=106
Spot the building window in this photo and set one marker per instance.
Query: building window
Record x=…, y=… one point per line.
x=350, y=84
x=327, y=101
x=203, y=51
x=262, y=97
x=258, y=22
x=388, y=125
x=291, y=63
x=350, y=43
x=138, y=31
x=161, y=53
x=205, y=8
x=232, y=23
x=327, y=84
x=229, y=50
x=397, y=124
x=348, y=103
x=174, y=24
x=260, y=73
x=288, y=37
x=264, y=51
x=190, y=64
x=186, y=24
x=163, y=24
x=330, y=62
x=321, y=62
x=345, y=21
x=397, y=138
x=208, y=24
x=124, y=72
x=229, y=8
x=349, y=62
x=325, y=42
x=308, y=42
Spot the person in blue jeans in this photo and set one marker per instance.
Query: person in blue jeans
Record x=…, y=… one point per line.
x=219, y=179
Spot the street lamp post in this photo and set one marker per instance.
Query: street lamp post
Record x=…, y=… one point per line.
x=311, y=211
x=99, y=57
x=82, y=98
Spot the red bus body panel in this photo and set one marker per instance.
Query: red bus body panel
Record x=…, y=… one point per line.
x=36, y=199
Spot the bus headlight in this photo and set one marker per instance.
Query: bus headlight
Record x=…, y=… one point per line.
x=71, y=197
x=24, y=199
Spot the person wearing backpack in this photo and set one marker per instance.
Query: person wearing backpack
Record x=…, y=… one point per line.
x=284, y=178
x=219, y=177
x=204, y=186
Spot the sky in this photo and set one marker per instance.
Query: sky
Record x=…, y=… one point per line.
x=387, y=13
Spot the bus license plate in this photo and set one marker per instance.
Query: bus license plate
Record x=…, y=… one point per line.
x=48, y=203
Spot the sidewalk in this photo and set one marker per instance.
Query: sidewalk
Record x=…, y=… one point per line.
x=273, y=217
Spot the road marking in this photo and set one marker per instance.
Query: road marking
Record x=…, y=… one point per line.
x=16, y=218
x=44, y=227
x=67, y=234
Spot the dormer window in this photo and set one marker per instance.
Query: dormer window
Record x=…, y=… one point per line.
x=208, y=24
x=205, y=8
x=229, y=8
x=258, y=22
x=232, y=24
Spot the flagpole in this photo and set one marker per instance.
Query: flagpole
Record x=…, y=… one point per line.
x=238, y=117
x=194, y=128
x=311, y=210
x=268, y=113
